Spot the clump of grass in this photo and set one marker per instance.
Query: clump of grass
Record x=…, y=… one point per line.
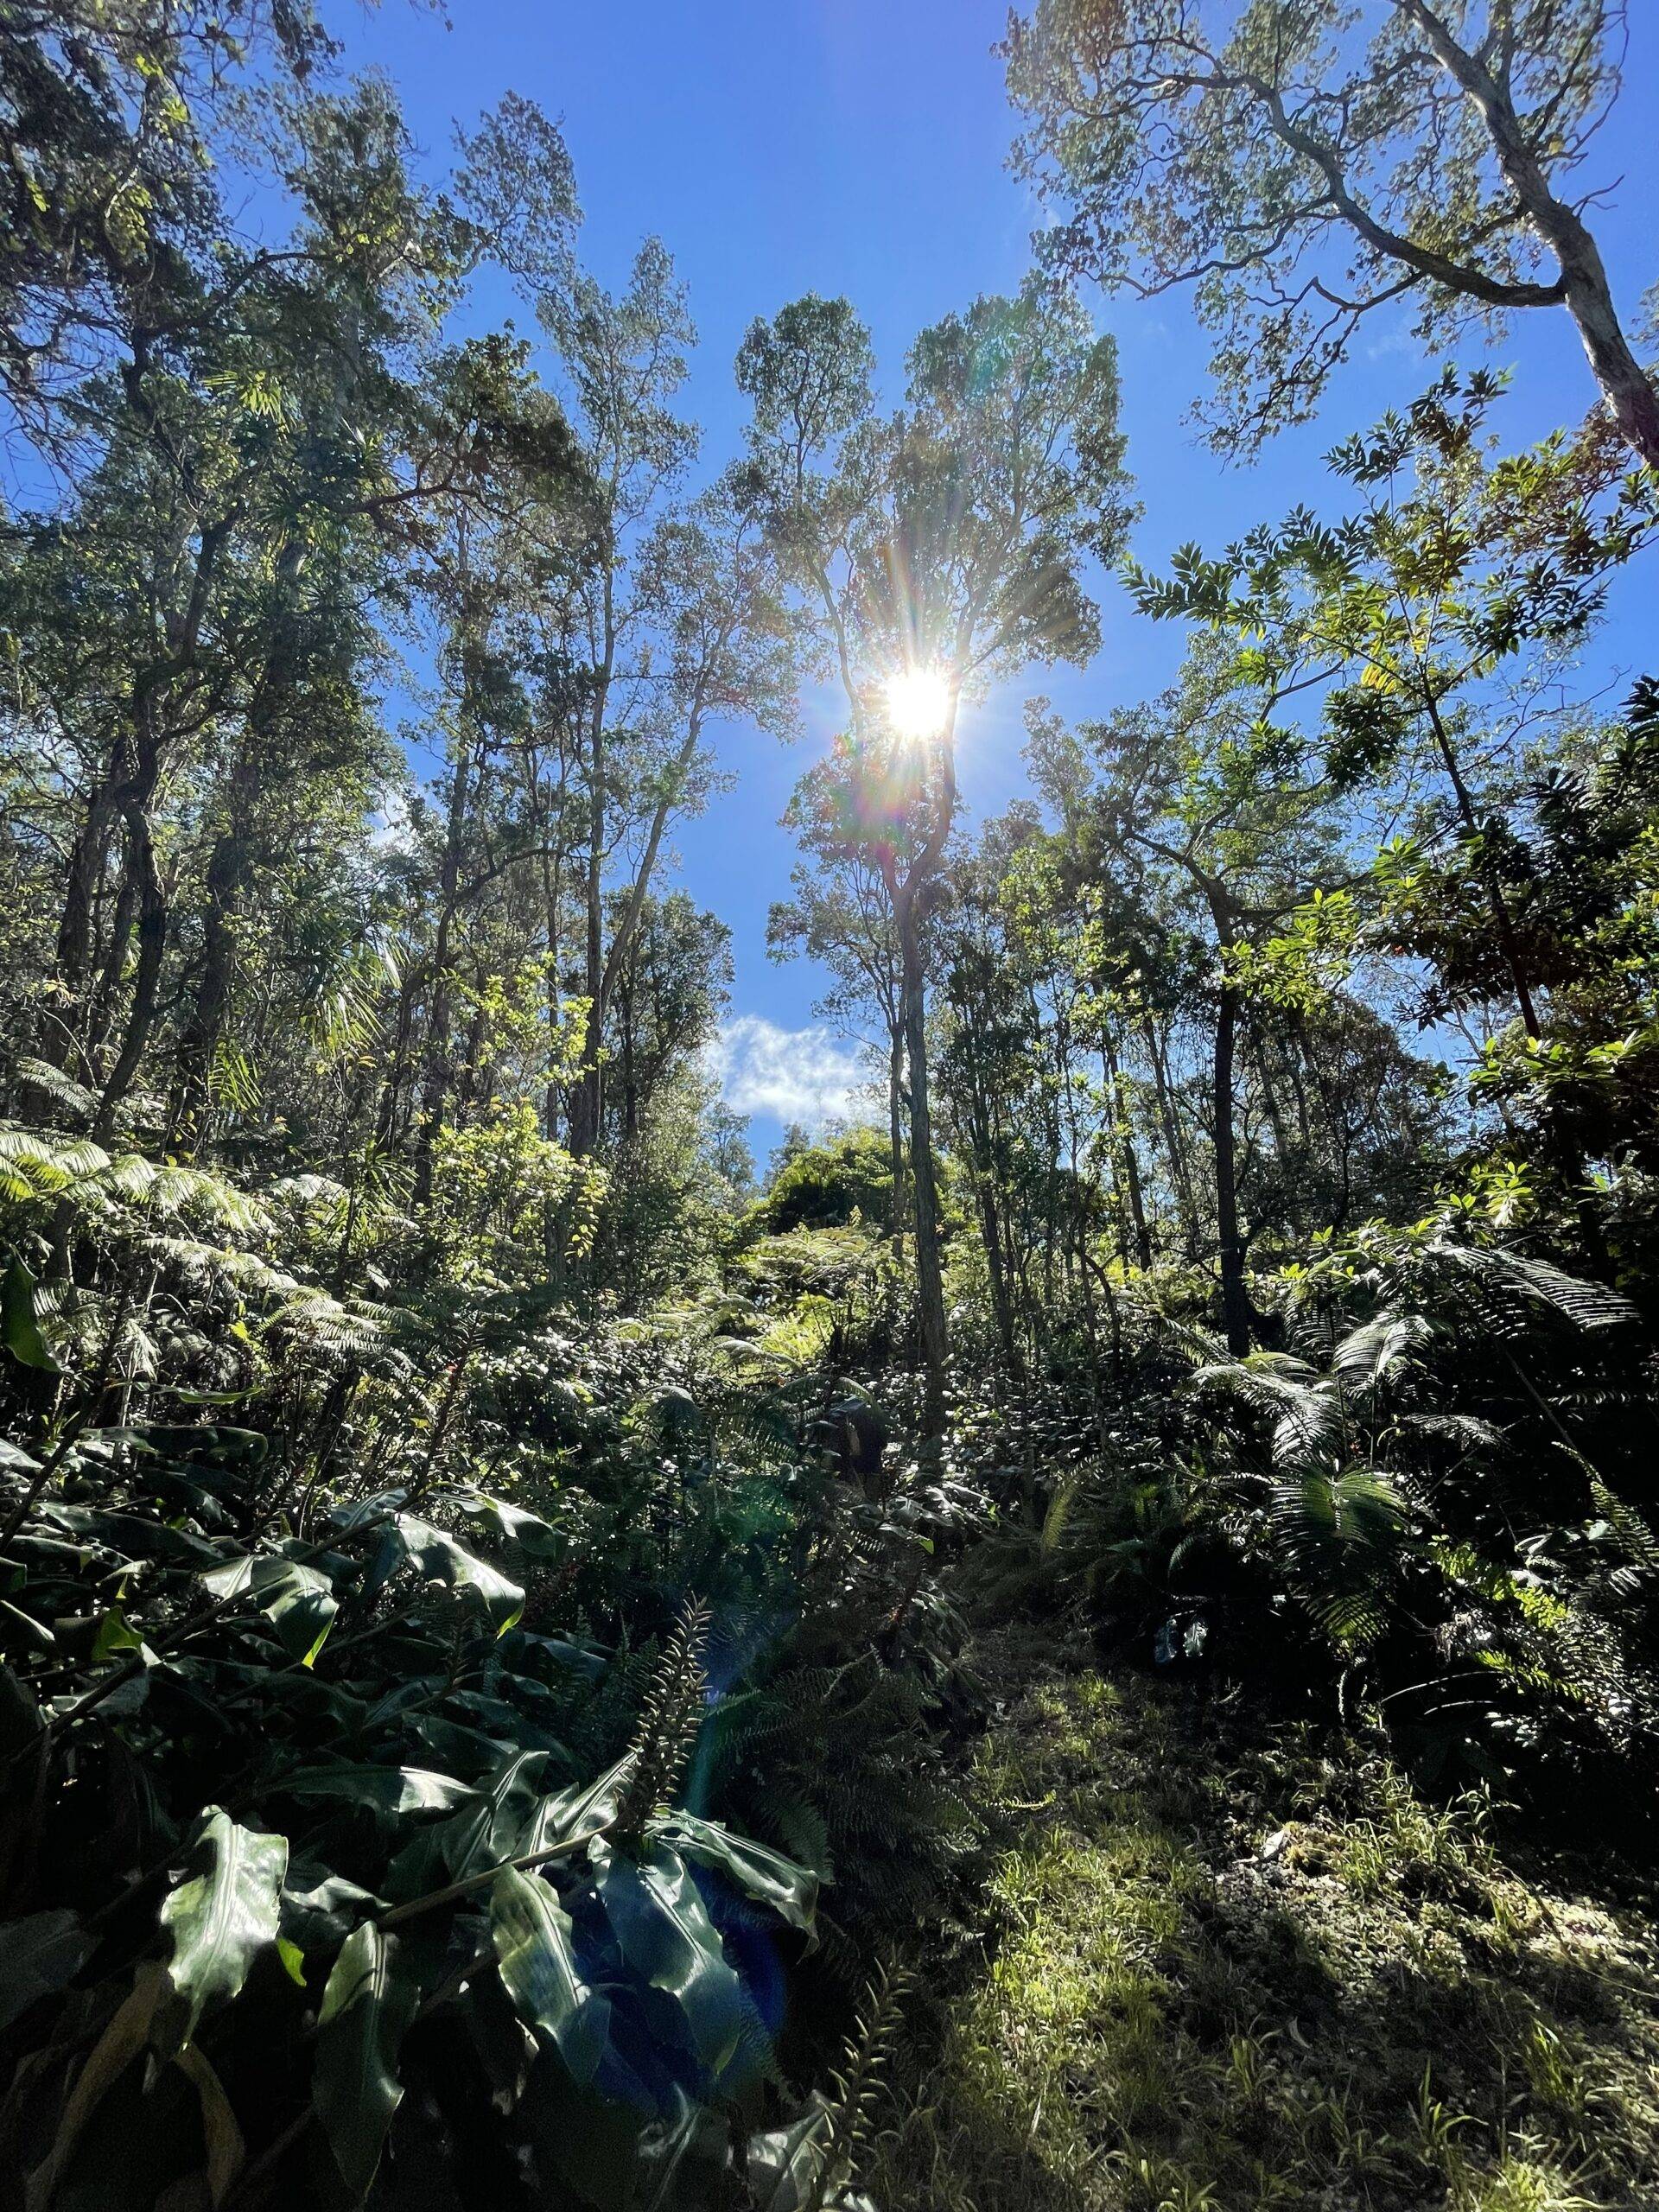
x=1184, y=2003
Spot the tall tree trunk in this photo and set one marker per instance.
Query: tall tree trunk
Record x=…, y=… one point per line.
x=630, y=1074
x=100, y=1009
x=982, y=1143
x=930, y=1278
x=1131, y=1163
x=587, y=1103
x=896, y=1135
x=1180, y=1168
x=1235, y=1298
x=437, y=1067
x=151, y=935
x=227, y=867
x=1235, y=1294
x=64, y=1034
x=552, y=906
x=605, y=963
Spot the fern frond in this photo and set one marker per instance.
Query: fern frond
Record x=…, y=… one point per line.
x=1533, y=1282
x=61, y=1088
x=1374, y=1355
x=667, y=1731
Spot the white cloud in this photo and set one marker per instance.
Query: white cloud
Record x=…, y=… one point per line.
x=798, y=1075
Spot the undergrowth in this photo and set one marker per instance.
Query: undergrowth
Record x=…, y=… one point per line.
x=1228, y=1964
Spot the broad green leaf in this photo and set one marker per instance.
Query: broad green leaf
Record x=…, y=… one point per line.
x=211, y=1445
x=588, y=2140
x=319, y=1913
x=532, y=1933
x=386, y=1789
x=562, y=1652
x=571, y=1812
x=122, y=2039
x=667, y=1937
x=684, y=2159
x=367, y=2010
x=786, y=2168
x=528, y=1532
x=221, y=2134
x=220, y=1920
x=114, y=1634
x=363, y=1512
x=763, y=1875
x=436, y=1552
x=19, y=1628
x=38, y=1956
x=297, y=1600
x=785, y=2163
x=484, y=1833
x=19, y=1330
x=130, y=1535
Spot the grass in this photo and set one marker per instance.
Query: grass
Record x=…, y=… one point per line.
x=1224, y=1966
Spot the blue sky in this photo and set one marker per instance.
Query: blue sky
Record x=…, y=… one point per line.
x=860, y=147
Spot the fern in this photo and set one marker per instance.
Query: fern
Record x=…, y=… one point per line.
x=668, y=1724
x=856, y=2086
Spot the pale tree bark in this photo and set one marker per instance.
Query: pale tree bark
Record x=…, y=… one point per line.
x=1585, y=289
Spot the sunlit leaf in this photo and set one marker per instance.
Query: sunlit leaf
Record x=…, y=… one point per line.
x=532, y=1936
x=219, y=1921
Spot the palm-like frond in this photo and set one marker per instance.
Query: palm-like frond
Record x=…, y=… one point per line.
x=1376, y=1354
x=1517, y=1284
x=1342, y=1535
x=1305, y=1409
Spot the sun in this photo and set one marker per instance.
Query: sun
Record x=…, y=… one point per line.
x=918, y=703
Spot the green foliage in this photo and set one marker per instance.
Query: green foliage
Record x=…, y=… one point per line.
x=828, y=1186
x=1303, y=166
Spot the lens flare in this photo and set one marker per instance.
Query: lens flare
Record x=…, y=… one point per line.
x=918, y=703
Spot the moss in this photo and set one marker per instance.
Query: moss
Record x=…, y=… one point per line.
x=1226, y=1966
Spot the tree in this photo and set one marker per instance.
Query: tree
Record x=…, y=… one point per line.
x=841, y=916
x=943, y=544
x=1305, y=163
x=1425, y=625
x=669, y=625
x=107, y=119
x=1203, y=789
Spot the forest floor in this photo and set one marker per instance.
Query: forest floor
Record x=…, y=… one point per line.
x=1221, y=1963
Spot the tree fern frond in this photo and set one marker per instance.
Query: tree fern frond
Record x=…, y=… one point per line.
x=1534, y=1282
x=1373, y=1356
x=62, y=1089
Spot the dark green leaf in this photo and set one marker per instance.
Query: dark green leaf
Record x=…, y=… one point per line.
x=436, y=1552
x=667, y=1937
x=527, y=1532
x=19, y=1330
x=366, y=2009
x=386, y=1789
x=298, y=1600
x=570, y=1812
x=38, y=1956
x=766, y=1876
x=487, y=1830
x=531, y=1934
x=786, y=2164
